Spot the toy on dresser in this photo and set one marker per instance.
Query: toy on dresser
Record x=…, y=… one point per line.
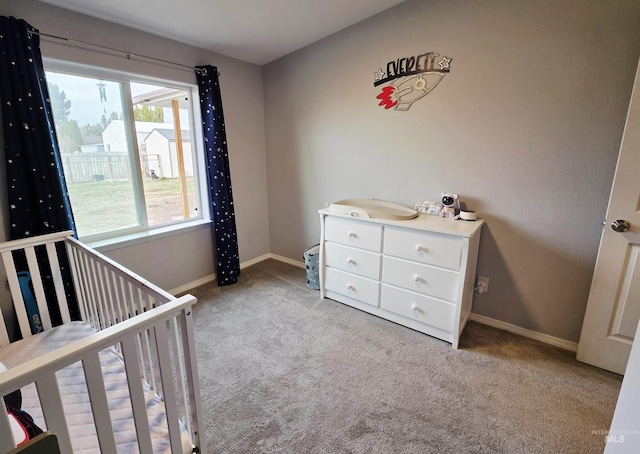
x=450, y=205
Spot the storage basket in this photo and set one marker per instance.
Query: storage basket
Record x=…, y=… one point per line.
x=312, y=262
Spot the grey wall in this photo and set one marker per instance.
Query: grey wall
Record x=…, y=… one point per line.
x=526, y=128
x=176, y=260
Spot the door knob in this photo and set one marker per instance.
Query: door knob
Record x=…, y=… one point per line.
x=620, y=225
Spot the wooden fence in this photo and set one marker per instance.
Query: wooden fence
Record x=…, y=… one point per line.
x=85, y=167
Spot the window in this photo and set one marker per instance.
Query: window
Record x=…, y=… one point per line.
x=128, y=152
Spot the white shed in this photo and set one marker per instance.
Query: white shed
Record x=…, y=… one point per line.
x=161, y=153
x=114, y=137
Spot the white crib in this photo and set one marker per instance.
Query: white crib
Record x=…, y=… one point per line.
x=129, y=364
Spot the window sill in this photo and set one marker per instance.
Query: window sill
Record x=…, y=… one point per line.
x=132, y=239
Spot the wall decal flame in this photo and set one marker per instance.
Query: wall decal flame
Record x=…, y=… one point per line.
x=385, y=97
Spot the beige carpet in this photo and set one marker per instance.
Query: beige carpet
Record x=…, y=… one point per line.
x=283, y=371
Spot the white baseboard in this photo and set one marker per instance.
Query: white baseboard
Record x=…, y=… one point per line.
x=277, y=257
x=243, y=265
x=186, y=287
x=281, y=258
x=545, y=338
x=212, y=277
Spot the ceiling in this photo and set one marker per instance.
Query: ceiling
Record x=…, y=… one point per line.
x=256, y=31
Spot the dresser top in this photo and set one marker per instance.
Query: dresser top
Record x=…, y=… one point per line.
x=422, y=222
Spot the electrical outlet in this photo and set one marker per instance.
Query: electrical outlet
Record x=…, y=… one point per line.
x=483, y=284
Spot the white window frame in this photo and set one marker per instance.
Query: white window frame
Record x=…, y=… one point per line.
x=143, y=232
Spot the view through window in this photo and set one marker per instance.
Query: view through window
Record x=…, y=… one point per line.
x=127, y=152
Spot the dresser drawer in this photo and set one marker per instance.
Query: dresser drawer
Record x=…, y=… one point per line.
x=418, y=307
x=357, y=261
x=425, y=279
x=423, y=247
x=356, y=287
x=354, y=233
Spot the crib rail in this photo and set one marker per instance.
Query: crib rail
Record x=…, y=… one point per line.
x=107, y=292
x=113, y=300
x=158, y=324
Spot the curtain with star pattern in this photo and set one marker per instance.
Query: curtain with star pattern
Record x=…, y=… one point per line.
x=37, y=193
x=218, y=175
x=38, y=198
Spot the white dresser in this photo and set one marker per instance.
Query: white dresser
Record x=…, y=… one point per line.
x=418, y=273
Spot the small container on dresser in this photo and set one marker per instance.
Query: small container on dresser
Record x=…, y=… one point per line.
x=419, y=273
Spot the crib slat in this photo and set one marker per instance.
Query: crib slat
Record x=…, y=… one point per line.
x=127, y=303
x=152, y=342
x=147, y=344
x=92, y=292
x=181, y=374
x=53, y=411
x=73, y=270
x=107, y=302
x=78, y=280
x=130, y=297
x=4, y=335
x=113, y=294
x=16, y=294
x=56, y=275
x=7, y=443
x=105, y=306
x=141, y=357
x=148, y=360
x=90, y=286
x=189, y=355
x=99, y=403
x=106, y=279
x=82, y=278
x=139, y=300
x=38, y=287
x=121, y=291
x=171, y=407
x=95, y=285
x=136, y=391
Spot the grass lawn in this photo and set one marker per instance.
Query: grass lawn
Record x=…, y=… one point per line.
x=109, y=205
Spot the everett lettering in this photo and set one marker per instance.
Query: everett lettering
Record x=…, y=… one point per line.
x=408, y=66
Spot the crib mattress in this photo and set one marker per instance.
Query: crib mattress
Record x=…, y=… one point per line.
x=75, y=397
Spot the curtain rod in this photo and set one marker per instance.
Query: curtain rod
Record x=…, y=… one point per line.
x=128, y=54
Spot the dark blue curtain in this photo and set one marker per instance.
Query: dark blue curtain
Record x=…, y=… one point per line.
x=37, y=192
x=38, y=198
x=218, y=175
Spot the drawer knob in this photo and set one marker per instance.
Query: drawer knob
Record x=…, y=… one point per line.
x=351, y=234
x=350, y=261
x=418, y=248
x=417, y=278
x=414, y=307
x=350, y=287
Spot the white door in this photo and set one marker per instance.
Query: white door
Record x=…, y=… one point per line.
x=613, y=308
x=623, y=436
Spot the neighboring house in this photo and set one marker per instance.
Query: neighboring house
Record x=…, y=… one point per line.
x=157, y=145
x=92, y=148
